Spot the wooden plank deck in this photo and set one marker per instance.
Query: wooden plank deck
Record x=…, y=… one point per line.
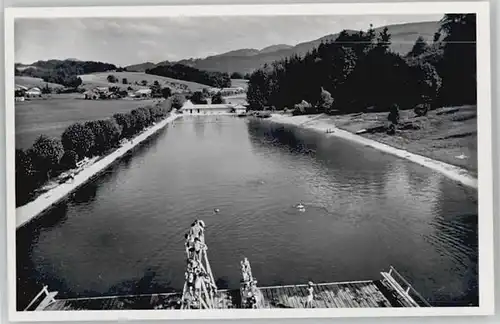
x=365, y=294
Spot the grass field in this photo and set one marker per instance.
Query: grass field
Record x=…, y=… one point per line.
x=239, y=83
x=51, y=116
x=446, y=134
x=100, y=80
x=34, y=82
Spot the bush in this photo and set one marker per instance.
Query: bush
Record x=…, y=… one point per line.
x=393, y=116
x=69, y=160
x=78, y=138
x=236, y=75
x=125, y=121
x=302, y=108
x=198, y=98
x=166, y=92
x=421, y=110
x=26, y=180
x=177, y=102
x=325, y=101
x=112, y=79
x=106, y=135
x=45, y=155
x=218, y=99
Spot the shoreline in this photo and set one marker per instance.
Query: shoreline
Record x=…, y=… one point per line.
x=33, y=209
x=452, y=172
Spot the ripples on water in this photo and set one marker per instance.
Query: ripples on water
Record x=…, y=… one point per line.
x=365, y=211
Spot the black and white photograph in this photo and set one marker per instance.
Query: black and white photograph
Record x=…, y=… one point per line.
x=180, y=160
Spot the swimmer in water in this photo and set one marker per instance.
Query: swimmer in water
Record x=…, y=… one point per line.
x=216, y=210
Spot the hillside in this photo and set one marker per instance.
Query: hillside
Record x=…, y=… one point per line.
x=247, y=60
x=100, y=80
x=30, y=82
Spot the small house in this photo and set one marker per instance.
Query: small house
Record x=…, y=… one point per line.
x=143, y=93
x=33, y=92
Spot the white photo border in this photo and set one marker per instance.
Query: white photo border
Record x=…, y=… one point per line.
x=485, y=174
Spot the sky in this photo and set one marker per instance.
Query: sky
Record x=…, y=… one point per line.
x=125, y=41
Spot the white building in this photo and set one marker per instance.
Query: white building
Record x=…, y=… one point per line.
x=143, y=93
x=34, y=92
x=211, y=109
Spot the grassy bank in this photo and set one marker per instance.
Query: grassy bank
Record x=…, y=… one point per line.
x=443, y=141
x=447, y=134
x=55, y=190
x=51, y=116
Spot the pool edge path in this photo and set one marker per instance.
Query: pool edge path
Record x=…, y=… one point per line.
x=310, y=122
x=33, y=209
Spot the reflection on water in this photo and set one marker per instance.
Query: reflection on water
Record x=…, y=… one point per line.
x=365, y=211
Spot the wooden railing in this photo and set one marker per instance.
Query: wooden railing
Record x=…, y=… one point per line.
x=42, y=292
x=412, y=296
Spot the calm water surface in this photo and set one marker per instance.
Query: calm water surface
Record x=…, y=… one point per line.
x=366, y=210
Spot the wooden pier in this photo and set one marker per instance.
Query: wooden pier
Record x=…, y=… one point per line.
x=392, y=290
x=355, y=294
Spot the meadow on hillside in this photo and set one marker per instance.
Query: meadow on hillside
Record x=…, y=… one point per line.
x=51, y=116
x=135, y=79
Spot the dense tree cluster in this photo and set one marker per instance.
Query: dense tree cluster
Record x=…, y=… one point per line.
x=198, y=97
x=187, y=73
x=64, y=72
x=49, y=157
x=237, y=75
x=218, y=99
x=358, y=72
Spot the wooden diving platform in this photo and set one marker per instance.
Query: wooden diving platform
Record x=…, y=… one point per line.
x=391, y=291
x=354, y=294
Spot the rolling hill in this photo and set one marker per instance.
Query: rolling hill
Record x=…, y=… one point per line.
x=100, y=80
x=247, y=60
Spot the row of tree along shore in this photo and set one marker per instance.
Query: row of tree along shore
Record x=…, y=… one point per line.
x=49, y=157
x=358, y=73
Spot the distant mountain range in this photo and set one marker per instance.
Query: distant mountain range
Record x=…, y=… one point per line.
x=403, y=36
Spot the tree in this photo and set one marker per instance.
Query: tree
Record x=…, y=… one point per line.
x=166, y=92
x=45, y=154
x=126, y=123
x=69, y=160
x=78, y=138
x=437, y=36
x=125, y=81
x=419, y=47
x=198, y=98
x=106, y=135
x=111, y=79
x=236, y=75
x=427, y=82
x=325, y=101
x=458, y=68
x=177, y=102
x=384, y=39
x=156, y=91
x=218, y=99
x=73, y=82
x=141, y=119
x=394, y=114
x=26, y=180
